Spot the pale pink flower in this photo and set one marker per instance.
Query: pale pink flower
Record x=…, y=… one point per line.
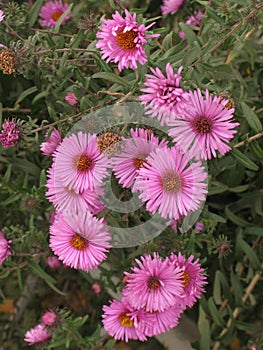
x=122, y=40
x=171, y=6
x=2, y=16
x=170, y=184
x=81, y=241
x=163, y=98
x=204, y=127
x=199, y=227
x=38, y=334
x=52, y=142
x=52, y=11
x=96, y=288
x=71, y=99
x=153, y=286
x=5, y=249
x=49, y=318
x=53, y=262
x=10, y=134
x=192, y=20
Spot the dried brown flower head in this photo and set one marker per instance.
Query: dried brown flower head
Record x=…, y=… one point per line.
x=8, y=61
x=106, y=142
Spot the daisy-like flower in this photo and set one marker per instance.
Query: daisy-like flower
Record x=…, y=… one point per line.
x=171, y=6
x=194, y=278
x=10, y=134
x=154, y=286
x=192, y=20
x=38, y=334
x=2, y=16
x=204, y=127
x=170, y=185
x=122, y=40
x=124, y=322
x=78, y=163
x=133, y=155
x=5, y=249
x=49, y=318
x=71, y=99
x=52, y=142
x=80, y=241
x=66, y=200
x=52, y=11
x=163, y=98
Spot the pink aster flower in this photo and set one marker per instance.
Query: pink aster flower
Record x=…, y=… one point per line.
x=65, y=199
x=192, y=20
x=38, y=334
x=154, y=286
x=52, y=142
x=10, y=134
x=171, y=185
x=204, y=127
x=171, y=6
x=49, y=318
x=5, y=249
x=194, y=278
x=199, y=227
x=78, y=163
x=51, y=12
x=53, y=262
x=122, y=40
x=134, y=152
x=163, y=98
x=123, y=322
x=2, y=16
x=71, y=99
x=80, y=241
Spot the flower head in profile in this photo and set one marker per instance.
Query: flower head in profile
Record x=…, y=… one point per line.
x=193, y=20
x=52, y=11
x=10, y=134
x=154, y=285
x=171, y=6
x=124, y=322
x=52, y=142
x=78, y=163
x=122, y=40
x=5, y=249
x=2, y=16
x=49, y=318
x=135, y=150
x=204, y=127
x=71, y=99
x=193, y=279
x=170, y=185
x=37, y=335
x=81, y=241
x=162, y=97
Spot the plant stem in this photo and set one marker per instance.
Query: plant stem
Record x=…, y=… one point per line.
x=250, y=139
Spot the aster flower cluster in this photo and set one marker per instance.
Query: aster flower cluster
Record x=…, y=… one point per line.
x=10, y=134
x=156, y=293
x=5, y=248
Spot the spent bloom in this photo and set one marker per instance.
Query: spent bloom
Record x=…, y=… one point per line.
x=71, y=99
x=49, y=318
x=10, y=134
x=96, y=288
x=199, y=227
x=170, y=185
x=192, y=20
x=204, y=127
x=52, y=142
x=53, y=262
x=154, y=285
x=38, y=334
x=162, y=97
x=171, y=6
x=2, y=16
x=52, y=11
x=81, y=241
x=5, y=250
x=122, y=40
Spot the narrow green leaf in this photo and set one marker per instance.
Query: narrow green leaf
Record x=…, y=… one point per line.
x=61, y=18
x=26, y=93
x=244, y=160
x=190, y=35
x=217, y=289
x=249, y=252
x=33, y=14
x=43, y=178
x=256, y=149
x=251, y=118
x=204, y=329
x=258, y=231
x=216, y=316
x=237, y=288
x=111, y=77
x=6, y=177
x=213, y=14
x=235, y=219
x=11, y=199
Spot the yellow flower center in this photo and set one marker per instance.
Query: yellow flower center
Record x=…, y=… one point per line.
x=125, y=320
x=78, y=242
x=138, y=162
x=126, y=39
x=55, y=15
x=171, y=183
x=186, y=279
x=202, y=125
x=154, y=283
x=84, y=163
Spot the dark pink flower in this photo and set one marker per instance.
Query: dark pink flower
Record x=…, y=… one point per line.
x=171, y=6
x=52, y=142
x=53, y=262
x=122, y=40
x=52, y=11
x=10, y=134
x=49, y=318
x=199, y=227
x=38, y=334
x=163, y=98
x=204, y=127
x=96, y=288
x=5, y=249
x=71, y=99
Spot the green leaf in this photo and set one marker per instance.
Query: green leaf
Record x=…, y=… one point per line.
x=213, y=14
x=216, y=316
x=33, y=14
x=43, y=178
x=190, y=35
x=235, y=219
x=258, y=231
x=26, y=93
x=61, y=18
x=6, y=177
x=256, y=149
x=217, y=289
x=237, y=288
x=204, y=329
x=11, y=199
x=251, y=118
x=111, y=77
x=244, y=160
x=248, y=251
